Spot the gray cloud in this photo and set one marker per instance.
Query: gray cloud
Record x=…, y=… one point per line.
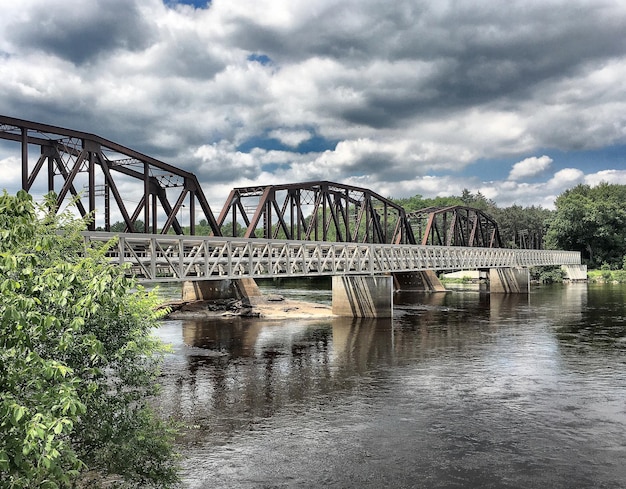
x=482, y=52
x=81, y=31
x=412, y=91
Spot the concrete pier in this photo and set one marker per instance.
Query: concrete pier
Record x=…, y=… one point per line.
x=575, y=273
x=207, y=290
x=509, y=281
x=424, y=281
x=363, y=296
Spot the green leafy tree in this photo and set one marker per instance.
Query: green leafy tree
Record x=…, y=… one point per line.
x=120, y=227
x=78, y=363
x=592, y=220
x=522, y=227
x=227, y=229
x=418, y=202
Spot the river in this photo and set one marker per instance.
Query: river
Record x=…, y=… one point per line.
x=459, y=390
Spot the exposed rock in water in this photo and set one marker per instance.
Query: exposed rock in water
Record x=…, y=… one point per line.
x=271, y=306
x=274, y=298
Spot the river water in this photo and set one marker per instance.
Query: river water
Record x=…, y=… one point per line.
x=459, y=390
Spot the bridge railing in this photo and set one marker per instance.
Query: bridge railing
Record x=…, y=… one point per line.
x=167, y=258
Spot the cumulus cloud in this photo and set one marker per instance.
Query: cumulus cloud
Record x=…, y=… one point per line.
x=11, y=171
x=79, y=32
x=566, y=177
x=406, y=97
x=290, y=137
x=224, y=163
x=529, y=167
x=606, y=176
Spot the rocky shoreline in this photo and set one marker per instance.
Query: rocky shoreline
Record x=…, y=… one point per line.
x=270, y=306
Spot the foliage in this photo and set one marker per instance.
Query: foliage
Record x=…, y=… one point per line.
x=226, y=229
x=477, y=200
x=522, y=227
x=607, y=276
x=465, y=279
x=77, y=361
x=593, y=221
x=120, y=227
x=548, y=275
x=418, y=202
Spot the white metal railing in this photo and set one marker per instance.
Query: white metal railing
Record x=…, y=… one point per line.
x=167, y=258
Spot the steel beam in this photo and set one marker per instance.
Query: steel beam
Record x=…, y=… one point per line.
x=316, y=210
x=110, y=166
x=455, y=226
x=179, y=258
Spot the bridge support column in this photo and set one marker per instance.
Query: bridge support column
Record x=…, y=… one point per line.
x=207, y=290
x=425, y=281
x=575, y=273
x=363, y=296
x=509, y=280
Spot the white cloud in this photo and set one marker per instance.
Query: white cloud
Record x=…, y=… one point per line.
x=222, y=160
x=412, y=94
x=11, y=172
x=606, y=176
x=567, y=177
x=530, y=167
x=290, y=138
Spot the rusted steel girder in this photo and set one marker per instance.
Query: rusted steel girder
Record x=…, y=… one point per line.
x=109, y=180
x=318, y=211
x=529, y=240
x=455, y=226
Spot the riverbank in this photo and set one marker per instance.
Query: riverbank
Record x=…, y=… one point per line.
x=607, y=276
x=268, y=306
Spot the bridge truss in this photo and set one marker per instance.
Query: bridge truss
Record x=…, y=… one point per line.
x=107, y=179
x=161, y=258
x=318, y=211
x=455, y=226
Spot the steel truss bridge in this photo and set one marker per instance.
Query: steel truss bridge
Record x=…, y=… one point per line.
x=161, y=258
x=312, y=228
x=318, y=211
x=455, y=226
x=107, y=179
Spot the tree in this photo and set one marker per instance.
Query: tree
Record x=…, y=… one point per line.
x=478, y=200
x=120, y=227
x=226, y=229
x=592, y=220
x=77, y=361
x=522, y=227
x=418, y=202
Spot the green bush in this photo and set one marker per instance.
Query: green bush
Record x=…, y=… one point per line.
x=78, y=363
x=547, y=275
x=619, y=276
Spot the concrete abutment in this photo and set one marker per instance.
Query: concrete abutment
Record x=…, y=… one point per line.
x=575, y=273
x=363, y=296
x=422, y=281
x=509, y=281
x=209, y=290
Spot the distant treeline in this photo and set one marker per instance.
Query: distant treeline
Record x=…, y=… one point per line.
x=588, y=219
x=519, y=227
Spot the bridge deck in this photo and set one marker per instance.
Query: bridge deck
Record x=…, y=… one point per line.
x=169, y=258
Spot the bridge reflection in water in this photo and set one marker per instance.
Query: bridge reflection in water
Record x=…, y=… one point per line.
x=230, y=373
x=463, y=389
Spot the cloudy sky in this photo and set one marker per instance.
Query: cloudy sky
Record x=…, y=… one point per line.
x=519, y=100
